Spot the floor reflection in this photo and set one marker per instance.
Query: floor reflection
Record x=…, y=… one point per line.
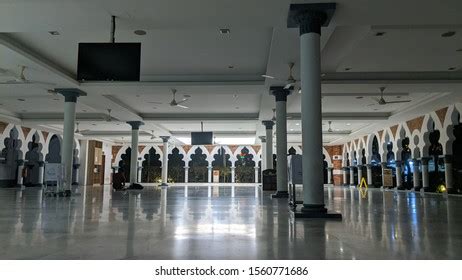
x=226, y=222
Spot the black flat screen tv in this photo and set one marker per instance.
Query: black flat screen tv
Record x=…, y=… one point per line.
x=109, y=62
x=201, y=138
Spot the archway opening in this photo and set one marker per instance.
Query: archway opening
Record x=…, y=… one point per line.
x=457, y=157
x=376, y=159
x=221, y=162
x=245, y=167
x=124, y=163
x=407, y=165
x=436, y=162
x=198, y=167
x=325, y=166
x=152, y=167
x=33, y=157
x=11, y=153
x=176, y=166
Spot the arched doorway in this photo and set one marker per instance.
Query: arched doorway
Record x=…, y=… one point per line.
x=406, y=162
x=435, y=164
x=152, y=167
x=198, y=167
x=245, y=167
x=376, y=168
x=325, y=170
x=124, y=163
x=11, y=154
x=176, y=166
x=54, y=150
x=33, y=157
x=391, y=163
x=222, y=163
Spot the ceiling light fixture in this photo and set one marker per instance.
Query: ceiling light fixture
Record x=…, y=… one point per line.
x=140, y=32
x=54, y=33
x=448, y=34
x=225, y=31
x=379, y=34
x=359, y=97
x=297, y=124
x=21, y=99
x=348, y=124
x=230, y=67
x=452, y=68
x=347, y=69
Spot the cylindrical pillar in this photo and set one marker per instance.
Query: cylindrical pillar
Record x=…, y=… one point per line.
x=256, y=174
x=140, y=172
x=67, y=149
x=329, y=175
x=20, y=181
x=281, y=94
x=352, y=175
x=425, y=179
x=165, y=160
x=41, y=171
x=263, y=153
x=345, y=175
x=269, y=143
x=448, y=174
x=416, y=175
x=233, y=174
x=209, y=173
x=186, y=173
x=360, y=174
x=399, y=180
x=384, y=166
x=369, y=174
x=134, y=154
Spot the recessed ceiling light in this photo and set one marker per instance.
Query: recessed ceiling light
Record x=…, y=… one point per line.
x=21, y=99
x=448, y=34
x=291, y=129
x=140, y=32
x=54, y=32
x=225, y=31
x=237, y=107
x=93, y=124
x=452, y=68
x=348, y=124
x=359, y=97
x=379, y=34
x=347, y=69
x=297, y=124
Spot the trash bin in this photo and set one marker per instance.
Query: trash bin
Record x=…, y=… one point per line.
x=269, y=180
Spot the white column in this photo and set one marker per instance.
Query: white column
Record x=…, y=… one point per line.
x=41, y=172
x=448, y=174
x=263, y=153
x=309, y=18
x=67, y=150
x=281, y=141
x=209, y=173
x=360, y=174
x=329, y=175
x=134, y=155
x=269, y=143
x=165, y=160
x=233, y=173
x=384, y=166
x=416, y=175
x=84, y=162
x=399, y=180
x=425, y=179
x=139, y=170
x=76, y=174
x=186, y=173
x=256, y=172
x=20, y=181
x=352, y=175
x=345, y=175
x=369, y=174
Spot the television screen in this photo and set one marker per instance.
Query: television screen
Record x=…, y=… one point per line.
x=109, y=62
x=201, y=138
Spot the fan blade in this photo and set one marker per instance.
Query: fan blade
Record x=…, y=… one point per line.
x=182, y=101
x=398, y=101
x=289, y=85
x=182, y=106
x=268, y=76
x=373, y=104
x=376, y=99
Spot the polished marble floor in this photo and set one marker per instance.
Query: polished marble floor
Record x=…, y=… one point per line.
x=225, y=222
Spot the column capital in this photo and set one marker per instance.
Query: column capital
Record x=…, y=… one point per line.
x=70, y=94
x=262, y=139
x=310, y=17
x=135, y=124
x=165, y=138
x=268, y=124
x=280, y=92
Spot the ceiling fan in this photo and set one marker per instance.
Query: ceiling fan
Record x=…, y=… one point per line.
x=77, y=130
x=21, y=78
x=175, y=103
x=152, y=135
x=290, y=82
x=382, y=101
x=274, y=115
x=108, y=118
x=330, y=128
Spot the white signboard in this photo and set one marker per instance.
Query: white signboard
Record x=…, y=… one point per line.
x=294, y=166
x=53, y=171
x=216, y=176
x=387, y=178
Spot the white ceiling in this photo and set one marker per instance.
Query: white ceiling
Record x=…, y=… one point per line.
x=222, y=73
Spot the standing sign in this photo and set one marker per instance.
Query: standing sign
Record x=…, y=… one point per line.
x=216, y=176
x=387, y=177
x=53, y=172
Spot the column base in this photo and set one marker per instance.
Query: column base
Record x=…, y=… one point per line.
x=163, y=185
x=416, y=189
x=316, y=212
x=280, y=194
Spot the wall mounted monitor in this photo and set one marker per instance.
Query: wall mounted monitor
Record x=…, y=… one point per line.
x=201, y=138
x=109, y=62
